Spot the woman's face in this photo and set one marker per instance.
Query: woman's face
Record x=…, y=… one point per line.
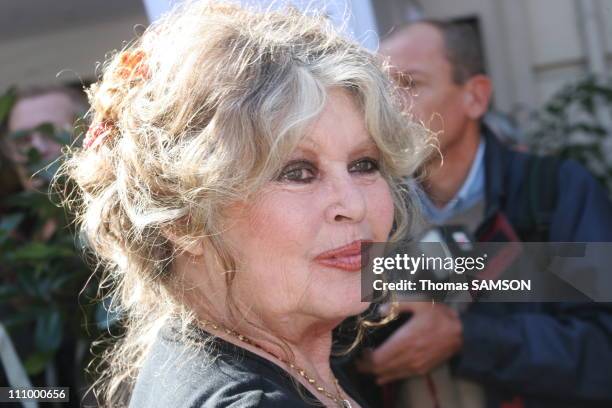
x=298, y=242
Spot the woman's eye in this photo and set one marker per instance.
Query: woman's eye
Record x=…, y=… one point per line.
x=403, y=80
x=298, y=173
x=364, y=166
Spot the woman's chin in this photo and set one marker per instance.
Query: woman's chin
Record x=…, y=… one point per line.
x=343, y=307
x=351, y=298
x=359, y=307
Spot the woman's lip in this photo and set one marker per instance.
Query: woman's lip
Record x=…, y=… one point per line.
x=347, y=263
x=347, y=257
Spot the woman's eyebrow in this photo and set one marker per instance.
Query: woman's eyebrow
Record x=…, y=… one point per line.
x=365, y=146
x=308, y=148
x=301, y=151
x=307, y=143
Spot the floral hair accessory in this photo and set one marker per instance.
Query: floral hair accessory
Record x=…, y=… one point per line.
x=96, y=134
x=132, y=65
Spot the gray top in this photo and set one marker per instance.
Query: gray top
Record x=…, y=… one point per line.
x=220, y=375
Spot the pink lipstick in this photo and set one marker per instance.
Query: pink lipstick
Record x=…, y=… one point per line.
x=347, y=257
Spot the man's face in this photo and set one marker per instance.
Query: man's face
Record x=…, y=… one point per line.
x=54, y=108
x=419, y=62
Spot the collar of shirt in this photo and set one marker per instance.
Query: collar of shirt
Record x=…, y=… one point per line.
x=472, y=190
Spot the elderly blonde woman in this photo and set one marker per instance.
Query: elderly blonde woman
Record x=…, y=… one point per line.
x=236, y=162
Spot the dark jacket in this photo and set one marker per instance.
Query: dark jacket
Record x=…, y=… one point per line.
x=542, y=354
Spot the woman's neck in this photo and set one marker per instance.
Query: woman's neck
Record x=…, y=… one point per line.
x=306, y=346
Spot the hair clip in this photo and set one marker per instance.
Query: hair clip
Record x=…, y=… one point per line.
x=132, y=65
x=96, y=134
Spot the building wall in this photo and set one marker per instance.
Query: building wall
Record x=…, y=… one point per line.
x=605, y=9
x=64, y=55
x=532, y=47
x=558, y=53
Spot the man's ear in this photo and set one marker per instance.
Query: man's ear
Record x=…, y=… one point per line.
x=478, y=91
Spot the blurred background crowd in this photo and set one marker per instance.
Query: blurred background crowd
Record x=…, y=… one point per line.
x=548, y=61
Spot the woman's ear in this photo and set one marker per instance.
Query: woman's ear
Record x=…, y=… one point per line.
x=194, y=248
x=478, y=91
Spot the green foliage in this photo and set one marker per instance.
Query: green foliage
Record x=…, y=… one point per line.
x=42, y=291
x=6, y=103
x=576, y=123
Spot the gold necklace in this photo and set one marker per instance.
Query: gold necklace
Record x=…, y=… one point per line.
x=341, y=402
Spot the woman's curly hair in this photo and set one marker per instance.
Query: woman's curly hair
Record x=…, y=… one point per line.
x=200, y=111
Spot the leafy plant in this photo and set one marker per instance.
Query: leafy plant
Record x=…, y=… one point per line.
x=43, y=290
x=576, y=123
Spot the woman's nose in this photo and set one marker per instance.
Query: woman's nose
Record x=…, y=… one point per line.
x=347, y=200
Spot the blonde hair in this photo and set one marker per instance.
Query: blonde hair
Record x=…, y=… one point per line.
x=226, y=94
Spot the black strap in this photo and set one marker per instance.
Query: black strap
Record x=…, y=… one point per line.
x=538, y=198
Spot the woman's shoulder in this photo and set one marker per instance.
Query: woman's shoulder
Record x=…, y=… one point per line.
x=215, y=374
